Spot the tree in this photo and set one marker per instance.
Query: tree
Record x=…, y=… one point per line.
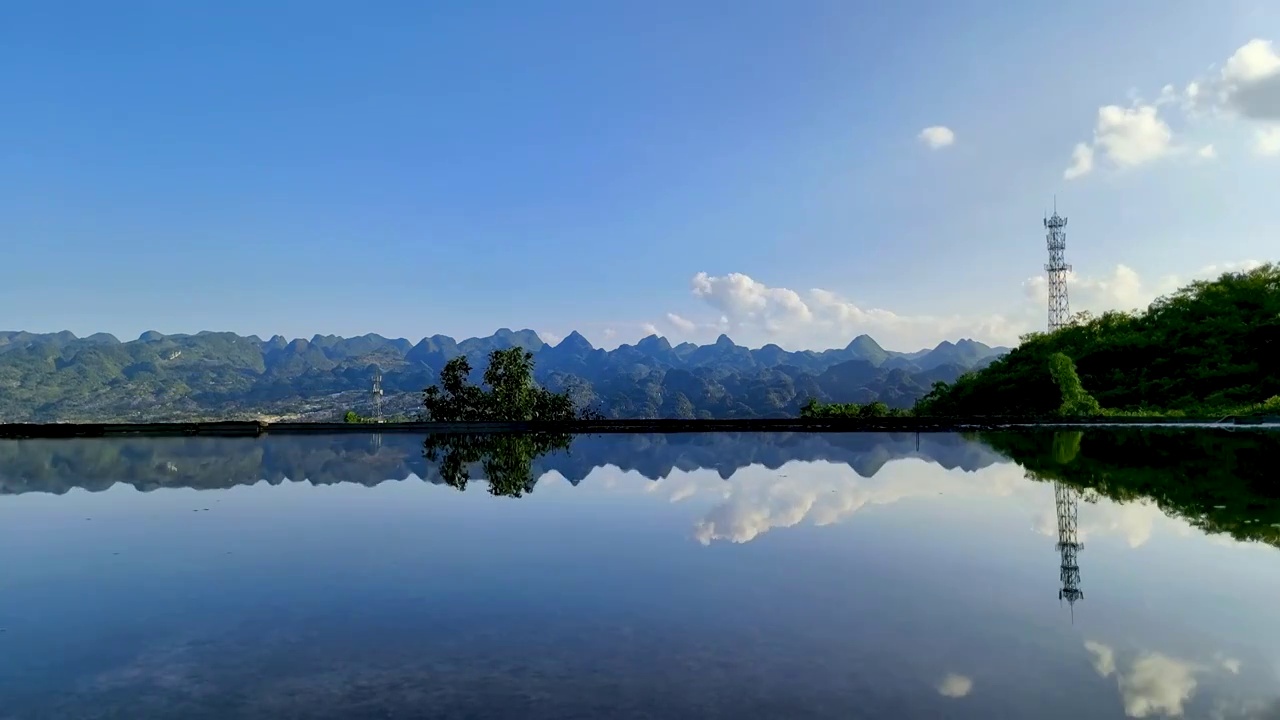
x=874, y=410
x=811, y=408
x=455, y=399
x=925, y=405
x=512, y=394
x=815, y=410
x=1075, y=401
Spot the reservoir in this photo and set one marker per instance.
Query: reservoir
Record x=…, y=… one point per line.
x=1049, y=574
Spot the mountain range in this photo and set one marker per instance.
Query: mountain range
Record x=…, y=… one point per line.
x=59, y=377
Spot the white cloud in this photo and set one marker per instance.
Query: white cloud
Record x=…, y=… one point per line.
x=1131, y=136
x=550, y=338
x=1250, y=81
x=649, y=329
x=1211, y=271
x=955, y=686
x=738, y=296
x=680, y=323
x=1122, y=289
x=1247, y=87
x=1191, y=97
x=1267, y=141
x=937, y=136
x=1255, y=60
x=754, y=313
x=1229, y=664
x=1126, y=137
x=609, y=334
x=1081, y=162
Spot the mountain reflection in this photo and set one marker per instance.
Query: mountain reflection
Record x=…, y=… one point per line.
x=208, y=463
x=1220, y=482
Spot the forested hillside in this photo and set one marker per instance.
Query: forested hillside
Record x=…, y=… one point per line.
x=1212, y=347
x=59, y=377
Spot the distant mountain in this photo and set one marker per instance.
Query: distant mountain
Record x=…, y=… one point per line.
x=58, y=377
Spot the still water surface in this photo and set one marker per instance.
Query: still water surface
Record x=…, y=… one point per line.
x=692, y=576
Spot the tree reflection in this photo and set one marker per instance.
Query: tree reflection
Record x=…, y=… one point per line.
x=506, y=460
x=1218, y=481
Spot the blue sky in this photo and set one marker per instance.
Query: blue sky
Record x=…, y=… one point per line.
x=414, y=168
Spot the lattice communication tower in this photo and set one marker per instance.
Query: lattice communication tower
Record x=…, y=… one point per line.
x=1069, y=546
x=1057, y=267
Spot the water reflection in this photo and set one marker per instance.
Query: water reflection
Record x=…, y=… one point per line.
x=671, y=576
x=1219, y=482
x=57, y=466
x=505, y=460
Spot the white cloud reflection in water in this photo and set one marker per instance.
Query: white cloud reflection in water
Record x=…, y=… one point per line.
x=1148, y=683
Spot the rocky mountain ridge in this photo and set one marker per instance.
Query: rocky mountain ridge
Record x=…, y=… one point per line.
x=61, y=377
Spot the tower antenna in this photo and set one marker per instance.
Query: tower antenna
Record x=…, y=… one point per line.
x=1057, y=267
x=1065, y=501
x=376, y=394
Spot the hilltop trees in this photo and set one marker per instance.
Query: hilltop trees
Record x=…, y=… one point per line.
x=1212, y=347
x=512, y=395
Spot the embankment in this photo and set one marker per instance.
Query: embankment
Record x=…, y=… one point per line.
x=891, y=424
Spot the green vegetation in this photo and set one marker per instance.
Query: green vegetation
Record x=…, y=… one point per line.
x=816, y=410
x=1075, y=401
x=351, y=416
x=512, y=394
x=1209, y=349
x=1220, y=482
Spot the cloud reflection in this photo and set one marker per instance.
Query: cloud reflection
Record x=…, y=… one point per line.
x=759, y=499
x=955, y=686
x=1133, y=521
x=1155, y=684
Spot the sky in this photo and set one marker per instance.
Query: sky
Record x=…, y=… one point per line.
x=788, y=172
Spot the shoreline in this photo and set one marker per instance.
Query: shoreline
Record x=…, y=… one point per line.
x=252, y=428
